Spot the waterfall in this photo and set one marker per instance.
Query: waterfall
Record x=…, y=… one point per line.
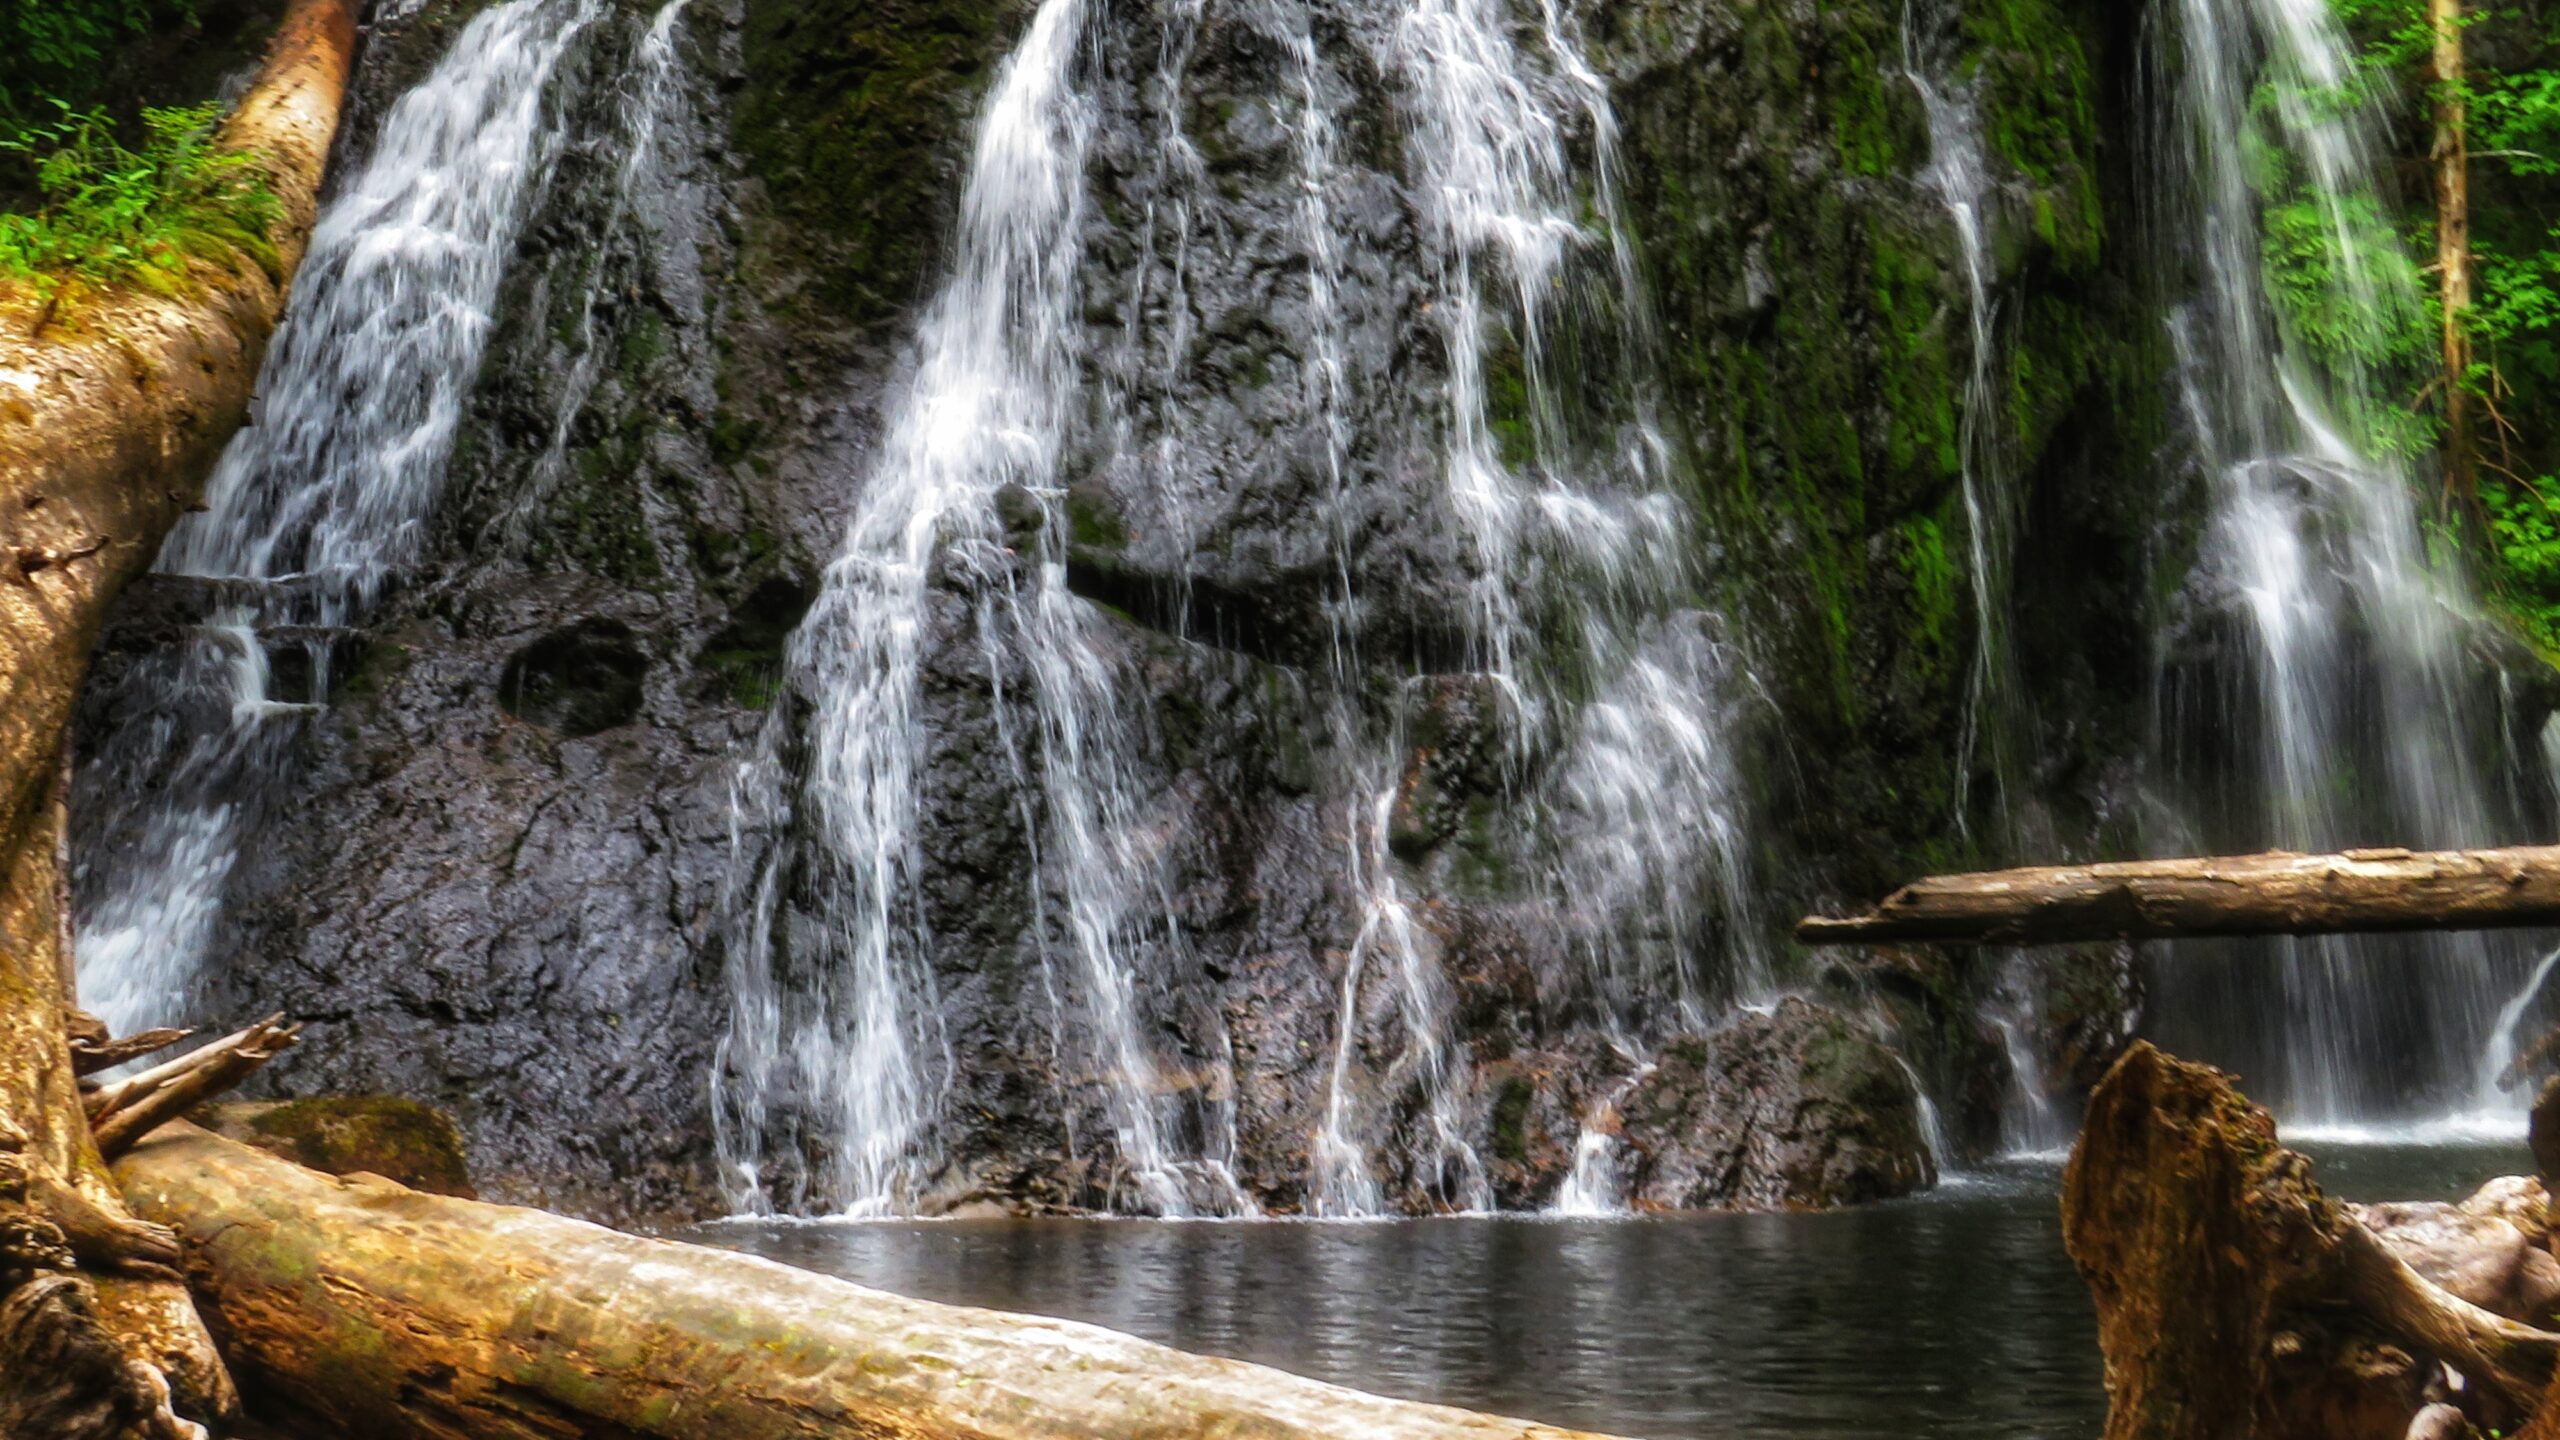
x=648, y=92
x=1607, y=679
x=2344, y=720
x=1587, y=639
x=320, y=503
x=2030, y=1123
x=995, y=373
x=1342, y=1183
x=1595, y=1186
x=1585, y=615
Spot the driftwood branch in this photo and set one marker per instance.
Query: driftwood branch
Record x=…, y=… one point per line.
x=2358, y=891
x=123, y=1113
x=89, y=1056
x=107, y=1099
x=2510, y=1360
x=507, y=1324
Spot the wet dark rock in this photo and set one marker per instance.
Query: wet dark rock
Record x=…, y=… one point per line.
x=1460, y=734
x=579, y=680
x=1797, y=1109
x=2088, y=999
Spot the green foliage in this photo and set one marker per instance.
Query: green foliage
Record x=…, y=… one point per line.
x=2524, y=538
x=2318, y=253
x=2341, y=272
x=2513, y=136
x=56, y=47
x=111, y=216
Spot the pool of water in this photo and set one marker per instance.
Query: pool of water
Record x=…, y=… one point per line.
x=1951, y=1314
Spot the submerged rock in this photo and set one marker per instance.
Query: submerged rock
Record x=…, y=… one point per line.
x=1798, y=1108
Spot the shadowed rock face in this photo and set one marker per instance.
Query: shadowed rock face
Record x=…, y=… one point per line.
x=493, y=877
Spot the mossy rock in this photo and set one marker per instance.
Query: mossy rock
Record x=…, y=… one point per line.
x=403, y=1140
x=855, y=116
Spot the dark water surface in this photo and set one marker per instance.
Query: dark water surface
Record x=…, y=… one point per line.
x=1952, y=1314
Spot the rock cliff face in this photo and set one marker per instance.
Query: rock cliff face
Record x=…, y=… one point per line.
x=494, y=875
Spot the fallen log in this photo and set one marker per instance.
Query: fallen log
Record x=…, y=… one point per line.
x=2278, y=893
x=2217, y=1266
x=370, y=1307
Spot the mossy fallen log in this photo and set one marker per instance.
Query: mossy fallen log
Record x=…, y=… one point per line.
x=2277, y=893
x=371, y=1308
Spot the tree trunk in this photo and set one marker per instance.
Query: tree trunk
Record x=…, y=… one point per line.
x=110, y=417
x=375, y=1309
x=2360, y=891
x=2215, y=1262
x=2450, y=159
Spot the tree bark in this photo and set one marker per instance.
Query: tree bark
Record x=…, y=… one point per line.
x=2212, y=1255
x=110, y=417
x=2449, y=158
x=2359, y=891
x=376, y=1309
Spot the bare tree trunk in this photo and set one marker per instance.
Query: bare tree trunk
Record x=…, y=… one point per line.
x=2451, y=161
x=110, y=418
x=2357, y=891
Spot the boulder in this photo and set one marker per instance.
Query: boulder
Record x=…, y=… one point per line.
x=2519, y=1200
x=1799, y=1108
x=2482, y=1258
x=400, y=1140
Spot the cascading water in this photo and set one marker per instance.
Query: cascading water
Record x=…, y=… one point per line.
x=2341, y=716
x=860, y=1051
x=1343, y=1183
x=648, y=92
x=1580, y=620
x=318, y=506
x=1585, y=636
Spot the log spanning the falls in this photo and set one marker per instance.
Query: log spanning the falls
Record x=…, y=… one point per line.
x=372, y=1307
x=2278, y=893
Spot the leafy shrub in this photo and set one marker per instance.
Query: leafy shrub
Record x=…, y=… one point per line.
x=2524, y=534
x=116, y=216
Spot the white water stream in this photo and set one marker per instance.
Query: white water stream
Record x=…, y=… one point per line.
x=2347, y=700
x=320, y=504
x=996, y=372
